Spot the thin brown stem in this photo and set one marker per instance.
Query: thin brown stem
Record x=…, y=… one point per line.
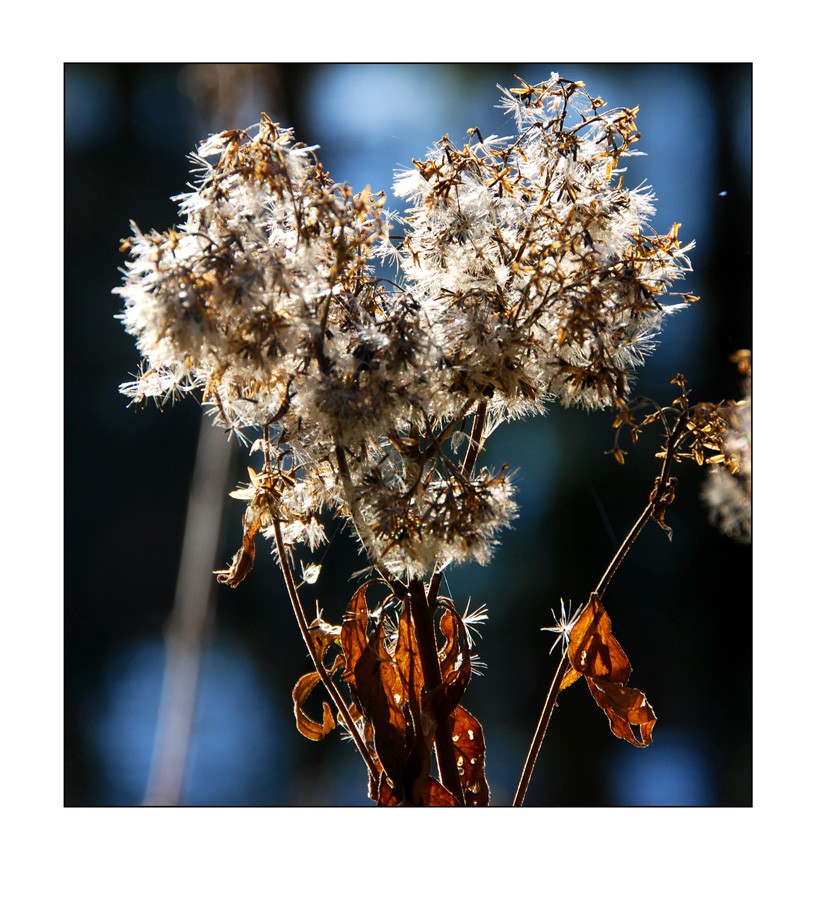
x=542, y=727
x=657, y=498
x=306, y=636
x=475, y=440
x=428, y=652
x=356, y=518
x=621, y=553
x=475, y=445
x=676, y=436
x=444, y=434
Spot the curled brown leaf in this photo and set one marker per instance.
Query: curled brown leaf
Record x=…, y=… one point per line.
x=594, y=652
x=456, y=669
x=243, y=560
x=313, y=730
x=625, y=706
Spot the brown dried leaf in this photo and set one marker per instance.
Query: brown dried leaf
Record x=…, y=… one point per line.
x=467, y=735
x=408, y=659
x=625, y=706
x=432, y=794
x=323, y=635
x=314, y=731
x=243, y=560
x=435, y=794
x=380, y=692
x=418, y=739
x=570, y=677
x=384, y=793
x=353, y=635
x=362, y=723
x=593, y=650
x=454, y=656
x=595, y=653
x=420, y=728
x=456, y=671
x=455, y=661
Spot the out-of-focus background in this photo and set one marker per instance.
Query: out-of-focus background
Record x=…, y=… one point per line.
x=681, y=609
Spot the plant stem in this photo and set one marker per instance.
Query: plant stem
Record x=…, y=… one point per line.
x=423, y=607
x=542, y=727
x=657, y=497
x=676, y=436
x=356, y=518
x=306, y=636
x=475, y=444
x=475, y=440
x=428, y=652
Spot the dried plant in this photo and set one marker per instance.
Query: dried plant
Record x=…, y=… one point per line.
x=527, y=274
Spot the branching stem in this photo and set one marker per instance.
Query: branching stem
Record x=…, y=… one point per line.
x=475, y=439
x=657, y=498
x=475, y=444
x=356, y=518
x=676, y=436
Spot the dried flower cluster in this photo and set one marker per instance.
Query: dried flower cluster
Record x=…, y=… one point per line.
x=527, y=273
x=533, y=263
x=728, y=488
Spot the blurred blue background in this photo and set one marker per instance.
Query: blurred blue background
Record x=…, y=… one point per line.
x=681, y=610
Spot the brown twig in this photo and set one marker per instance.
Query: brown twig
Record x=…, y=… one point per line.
x=475, y=444
x=656, y=498
x=356, y=518
x=475, y=439
x=542, y=727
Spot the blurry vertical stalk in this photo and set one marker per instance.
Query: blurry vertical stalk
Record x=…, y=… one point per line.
x=190, y=619
x=221, y=93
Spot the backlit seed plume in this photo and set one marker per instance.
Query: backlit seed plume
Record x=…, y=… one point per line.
x=526, y=273
x=728, y=487
x=537, y=270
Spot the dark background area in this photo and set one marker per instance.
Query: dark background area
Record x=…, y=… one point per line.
x=681, y=609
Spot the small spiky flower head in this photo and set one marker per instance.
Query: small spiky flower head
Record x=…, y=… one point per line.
x=562, y=626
